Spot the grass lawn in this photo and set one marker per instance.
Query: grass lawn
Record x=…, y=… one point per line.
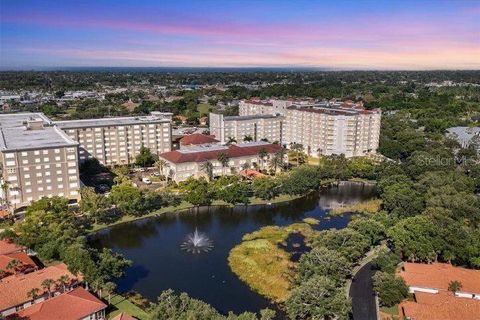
x=203, y=108
x=121, y=304
x=262, y=264
x=370, y=206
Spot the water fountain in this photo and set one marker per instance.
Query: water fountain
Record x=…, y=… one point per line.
x=197, y=242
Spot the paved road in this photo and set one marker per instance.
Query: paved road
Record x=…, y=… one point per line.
x=361, y=292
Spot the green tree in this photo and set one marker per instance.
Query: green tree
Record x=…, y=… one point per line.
x=145, y=158
x=198, y=192
x=92, y=203
x=318, y=298
x=207, y=167
x=391, y=289
x=265, y=188
x=324, y=262
x=223, y=159
x=160, y=164
x=47, y=285
x=33, y=293
x=262, y=154
x=455, y=286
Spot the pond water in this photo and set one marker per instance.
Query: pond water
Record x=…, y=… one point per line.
x=153, y=245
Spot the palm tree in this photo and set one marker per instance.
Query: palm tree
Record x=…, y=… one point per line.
x=246, y=165
x=110, y=288
x=64, y=280
x=207, y=167
x=298, y=149
x=223, y=159
x=262, y=154
x=231, y=140
x=319, y=154
x=276, y=161
x=13, y=265
x=33, y=293
x=160, y=164
x=47, y=285
x=247, y=138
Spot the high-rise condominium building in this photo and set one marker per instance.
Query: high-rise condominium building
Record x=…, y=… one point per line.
x=254, y=127
x=38, y=160
x=323, y=128
x=118, y=140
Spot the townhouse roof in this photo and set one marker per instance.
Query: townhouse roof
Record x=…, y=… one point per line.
x=73, y=305
x=197, y=138
x=15, y=135
x=439, y=275
x=211, y=152
x=7, y=247
x=123, y=316
x=15, y=288
x=107, y=122
x=22, y=257
x=440, y=306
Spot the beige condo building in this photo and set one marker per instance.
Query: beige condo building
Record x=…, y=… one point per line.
x=118, y=140
x=37, y=160
x=257, y=127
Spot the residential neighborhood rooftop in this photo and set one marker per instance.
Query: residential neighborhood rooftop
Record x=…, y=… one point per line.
x=76, y=304
x=105, y=122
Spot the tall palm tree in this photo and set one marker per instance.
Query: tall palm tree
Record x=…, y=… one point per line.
x=110, y=288
x=247, y=138
x=298, y=149
x=207, y=167
x=276, y=161
x=64, y=280
x=262, y=154
x=319, y=154
x=47, y=285
x=33, y=293
x=223, y=159
x=160, y=164
x=231, y=140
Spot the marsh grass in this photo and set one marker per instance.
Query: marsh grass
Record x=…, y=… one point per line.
x=370, y=207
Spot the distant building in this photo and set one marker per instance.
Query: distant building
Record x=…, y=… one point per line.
x=38, y=160
x=78, y=304
x=197, y=139
x=430, y=282
x=257, y=127
x=185, y=163
x=118, y=140
x=322, y=127
x=464, y=135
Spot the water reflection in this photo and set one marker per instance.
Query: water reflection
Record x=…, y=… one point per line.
x=154, y=246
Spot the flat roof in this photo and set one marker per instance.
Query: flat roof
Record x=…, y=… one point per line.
x=15, y=136
x=106, y=122
x=250, y=117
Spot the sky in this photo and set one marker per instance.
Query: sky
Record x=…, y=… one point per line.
x=363, y=34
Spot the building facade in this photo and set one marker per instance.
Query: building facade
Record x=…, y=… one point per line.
x=38, y=160
x=255, y=127
x=118, y=140
x=185, y=163
x=323, y=128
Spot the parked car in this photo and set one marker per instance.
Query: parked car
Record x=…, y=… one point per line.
x=146, y=180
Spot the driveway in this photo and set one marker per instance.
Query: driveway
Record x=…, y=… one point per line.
x=363, y=297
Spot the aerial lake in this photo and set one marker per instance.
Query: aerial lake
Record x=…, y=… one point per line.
x=153, y=244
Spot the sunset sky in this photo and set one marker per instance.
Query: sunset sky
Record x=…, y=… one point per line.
x=325, y=34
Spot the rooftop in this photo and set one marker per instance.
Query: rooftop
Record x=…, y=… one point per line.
x=105, y=122
x=210, y=152
x=7, y=247
x=123, y=316
x=439, y=275
x=26, y=263
x=76, y=304
x=14, y=288
x=197, y=138
x=249, y=117
x=441, y=306
x=14, y=134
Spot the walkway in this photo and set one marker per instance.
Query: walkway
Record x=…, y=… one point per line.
x=363, y=297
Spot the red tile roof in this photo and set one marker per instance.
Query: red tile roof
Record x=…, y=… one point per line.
x=197, y=138
x=73, y=305
x=249, y=173
x=439, y=275
x=440, y=306
x=123, y=316
x=14, y=288
x=233, y=151
x=7, y=247
x=25, y=261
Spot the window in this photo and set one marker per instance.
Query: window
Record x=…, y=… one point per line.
x=45, y=152
x=24, y=153
x=36, y=152
x=57, y=151
x=10, y=163
x=9, y=155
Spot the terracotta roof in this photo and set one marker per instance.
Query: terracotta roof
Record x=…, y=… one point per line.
x=73, y=305
x=14, y=288
x=441, y=306
x=233, y=151
x=439, y=275
x=123, y=316
x=197, y=138
x=24, y=259
x=7, y=247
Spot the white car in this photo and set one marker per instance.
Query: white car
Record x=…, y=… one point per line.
x=146, y=181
